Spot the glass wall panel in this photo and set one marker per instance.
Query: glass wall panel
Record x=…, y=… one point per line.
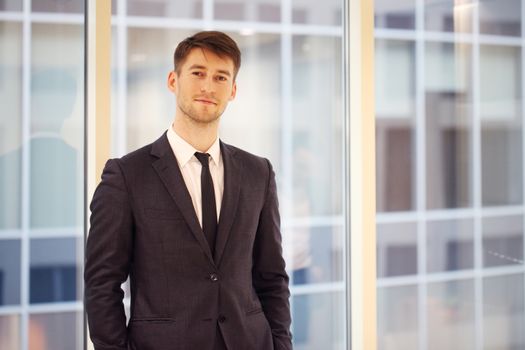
x=53, y=277
x=317, y=320
x=317, y=125
x=503, y=312
x=10, y=272
x=503, y=241
x=165, y=8
x=450, y=313
x=500, y=17
x=10, y=124
x=395, y=117
x=56, y=125
x=501, y=116
x=60, y=6
x=10, y=332
x=450, y=245
x=317, y=12
x=396, y=249
x=56, y=331
x=395, y=14
x=397, y=321
x=449, y=15
x=255, y=10
x=448, y=97
x=11, y=5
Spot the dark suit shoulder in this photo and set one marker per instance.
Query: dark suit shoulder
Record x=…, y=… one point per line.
x=259, y=165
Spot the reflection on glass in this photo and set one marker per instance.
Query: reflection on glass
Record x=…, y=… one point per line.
x=56, y=125
x=317, y=116
x=450, y=315
x=328, y=12
x=53, y=270
x=9, y=272
x=314, y=254
x=500, y=17
x=503, y=241
x=10, y=124
x=57, y=331
x=69, y=6
x=399, y=14
x=503, y=312
x=317, y=321
x=501, y=140
x=448, y=96
x=165, y=8
x=449, y=15
x=10, y=5
x=397, y=318
x=239, y=10
x=9, y=332
x=396, y=249
x=395, y=109
x=450, y=245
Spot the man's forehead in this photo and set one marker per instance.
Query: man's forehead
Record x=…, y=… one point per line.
x=208, y=59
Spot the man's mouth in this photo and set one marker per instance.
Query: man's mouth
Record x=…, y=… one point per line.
x=205, y=101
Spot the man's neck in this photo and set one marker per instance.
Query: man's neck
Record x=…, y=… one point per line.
x=200, y=136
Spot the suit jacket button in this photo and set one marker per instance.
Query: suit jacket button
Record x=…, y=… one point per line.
x=214, y=277
x=222, y=319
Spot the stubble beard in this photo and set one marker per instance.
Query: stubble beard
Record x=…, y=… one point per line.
x=198, y=118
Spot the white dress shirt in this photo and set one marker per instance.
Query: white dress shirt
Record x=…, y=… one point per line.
x=190, y=168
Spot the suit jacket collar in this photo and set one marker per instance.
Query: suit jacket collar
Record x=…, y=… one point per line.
x=168, y=170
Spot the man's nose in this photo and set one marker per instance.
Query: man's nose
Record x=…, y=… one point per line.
x=207, y=85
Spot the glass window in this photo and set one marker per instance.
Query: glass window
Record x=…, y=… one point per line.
x=317, y=12
x=503, y=241
x=165, y=8
x=397, y=318
x=69, y=6
x=11, y=5
x=503, y=312
x=10, y=332
x=56, y=125
x=396, y=249
x=395, y=115
x=448, y=97
x=10, y=124
x=9, y=272
x=395, y=14
x=450, y=313
x=57, y=331
x=501, y=128
x=450, y=245
x=53, y=277
x=500, y=17
x=449, y=15
x=317, y=320
x=314, y=254
x=317, y=125
x=256, y=11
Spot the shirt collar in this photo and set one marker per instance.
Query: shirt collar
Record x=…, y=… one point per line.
x=184, y=151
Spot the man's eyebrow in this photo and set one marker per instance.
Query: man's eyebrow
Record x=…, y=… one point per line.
x=222, y=71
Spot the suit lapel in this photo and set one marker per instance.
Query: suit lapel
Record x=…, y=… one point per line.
x=230, y=198
x=168, y=170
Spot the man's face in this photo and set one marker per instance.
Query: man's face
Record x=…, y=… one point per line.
x=204, y=85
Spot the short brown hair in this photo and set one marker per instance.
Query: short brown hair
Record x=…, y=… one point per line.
x=217, y=42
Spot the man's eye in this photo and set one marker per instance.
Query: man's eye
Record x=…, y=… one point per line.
x=198, y=74
x=221, y=78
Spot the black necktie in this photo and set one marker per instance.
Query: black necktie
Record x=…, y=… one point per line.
x=209, y=209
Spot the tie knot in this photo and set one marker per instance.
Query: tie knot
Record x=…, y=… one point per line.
x=203, y=158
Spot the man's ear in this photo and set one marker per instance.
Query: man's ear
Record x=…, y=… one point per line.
x=172, y=81
x=234, y=91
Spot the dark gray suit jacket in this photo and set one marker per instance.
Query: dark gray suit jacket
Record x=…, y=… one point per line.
x=143, y=224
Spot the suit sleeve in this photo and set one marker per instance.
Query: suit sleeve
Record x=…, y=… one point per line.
x=108, y=257
x=269, y=276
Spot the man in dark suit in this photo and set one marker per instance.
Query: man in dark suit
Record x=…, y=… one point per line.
x=194, y=222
